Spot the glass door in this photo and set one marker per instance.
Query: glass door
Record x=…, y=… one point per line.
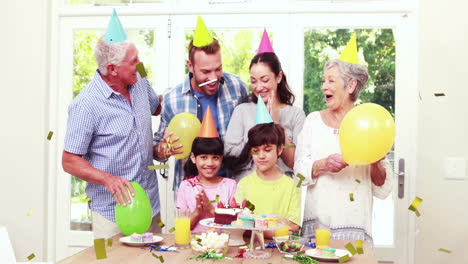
x=77, y=66
x=239, y=36
x=383, y=42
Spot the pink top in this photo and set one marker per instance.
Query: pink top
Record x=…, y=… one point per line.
x=226, y=190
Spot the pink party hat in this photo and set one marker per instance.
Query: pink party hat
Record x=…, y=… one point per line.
x=265, y=45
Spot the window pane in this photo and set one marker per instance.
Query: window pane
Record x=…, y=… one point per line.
x=84, y=67
x=376, y=51
x=238, y=47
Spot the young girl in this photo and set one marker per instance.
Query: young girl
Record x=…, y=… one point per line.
x=202, y=184
x=267, y=188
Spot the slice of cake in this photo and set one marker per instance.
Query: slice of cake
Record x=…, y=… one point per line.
x=136, y=238
x=147, y=237
x=225, y=215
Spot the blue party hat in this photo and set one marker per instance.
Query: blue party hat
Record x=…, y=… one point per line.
x=262, y=115
x=115, y=32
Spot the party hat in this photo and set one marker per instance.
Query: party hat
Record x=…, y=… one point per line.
x=265, y=44
x=115, y=32
x=202, y=36
x=208, y=126
x=262, y=115
x=349, y=54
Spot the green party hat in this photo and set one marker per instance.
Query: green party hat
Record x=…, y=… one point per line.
x=202, y=36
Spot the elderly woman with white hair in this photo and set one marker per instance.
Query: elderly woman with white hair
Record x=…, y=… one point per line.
x=328, y=178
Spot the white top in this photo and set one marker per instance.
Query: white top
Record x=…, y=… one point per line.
x=243, y=119
x=328, y=198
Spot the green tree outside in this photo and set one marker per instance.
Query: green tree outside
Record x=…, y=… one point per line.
x=376, y=51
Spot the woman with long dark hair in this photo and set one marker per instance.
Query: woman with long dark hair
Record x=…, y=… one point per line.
x=268, y=82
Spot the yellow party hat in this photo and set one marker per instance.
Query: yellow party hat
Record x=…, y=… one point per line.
x=349, y=54
x=202, y=36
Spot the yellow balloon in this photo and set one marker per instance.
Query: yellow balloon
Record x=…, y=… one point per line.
x=367, y=133
x=186, y=126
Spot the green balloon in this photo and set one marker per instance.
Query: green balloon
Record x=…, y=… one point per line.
x=137, y=216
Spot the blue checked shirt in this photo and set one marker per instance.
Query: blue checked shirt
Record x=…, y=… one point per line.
x=181, y=98
x=114, y=136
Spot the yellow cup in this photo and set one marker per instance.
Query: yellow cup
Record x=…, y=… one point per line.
x=182, y=230
x=322, y=238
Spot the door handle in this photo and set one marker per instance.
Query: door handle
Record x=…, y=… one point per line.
x=401, y=178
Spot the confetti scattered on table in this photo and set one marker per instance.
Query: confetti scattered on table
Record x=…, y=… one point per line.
x=30, y=212
x=343, y=258
x=301, y=178
x=141, y=69
x=358, y=181
x=351, y=197
x=158, y=167
x=172, y=230
x=109, y=243
x=359, y=248
x=249, y=205
x=31, y=256
x=160, y=223
x=288, y=146
x=161, y=258
x=100, y=248
x=414, y=205
x=351, y=248
x=49, y=136
x=445, y=250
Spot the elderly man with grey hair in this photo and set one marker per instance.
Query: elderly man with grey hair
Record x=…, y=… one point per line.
x=109, y=140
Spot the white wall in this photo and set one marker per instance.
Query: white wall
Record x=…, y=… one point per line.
x=443, y=131
x=23, y=53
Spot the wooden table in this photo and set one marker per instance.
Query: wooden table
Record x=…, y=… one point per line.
x=121, y=253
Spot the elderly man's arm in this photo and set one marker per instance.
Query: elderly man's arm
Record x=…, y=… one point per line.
x=81, y=168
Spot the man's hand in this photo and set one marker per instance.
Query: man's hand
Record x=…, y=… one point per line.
x=116, y=186
x=167, y=146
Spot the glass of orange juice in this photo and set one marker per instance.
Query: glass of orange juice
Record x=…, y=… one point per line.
x=322, y=236
x=182, y=229
x=283, y=231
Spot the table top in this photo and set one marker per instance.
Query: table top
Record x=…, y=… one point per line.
x=121, y=253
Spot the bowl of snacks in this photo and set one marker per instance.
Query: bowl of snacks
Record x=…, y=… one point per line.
x=210, y=242
x=290, y=244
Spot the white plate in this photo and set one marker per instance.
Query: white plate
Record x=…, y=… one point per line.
x=126, y=240
x=339, y=253
x=209, y=222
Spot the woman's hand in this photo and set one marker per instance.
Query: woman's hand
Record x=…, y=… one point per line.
x=378, y=173
x=273, y=107
x=335, y=163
